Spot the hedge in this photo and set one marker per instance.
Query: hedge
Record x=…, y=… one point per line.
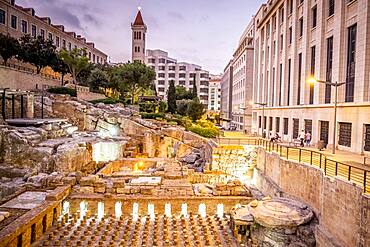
x=205, y=132
x=145, y=115
x=63, y=90
x=108, y=101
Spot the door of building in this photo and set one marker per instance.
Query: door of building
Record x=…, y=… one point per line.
x=324, y=131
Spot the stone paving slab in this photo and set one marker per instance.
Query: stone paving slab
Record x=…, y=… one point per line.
x=26, y=200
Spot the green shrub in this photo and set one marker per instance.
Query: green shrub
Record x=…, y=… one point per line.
x=145, y=115
x=108, y=101
x=205, y=132
x=63, y=90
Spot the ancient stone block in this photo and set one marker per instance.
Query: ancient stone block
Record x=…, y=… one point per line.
x=69, y=180
x=86, y=189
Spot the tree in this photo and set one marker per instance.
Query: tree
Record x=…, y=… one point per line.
x=132, y=79
x=59, y=66
x=195, y=109
x=37, y=51
x=98, y=78
x=183, y=106
x=76, y=61
x=195, y=90
x=9, y=47
x=182, y=93
x=171, y=97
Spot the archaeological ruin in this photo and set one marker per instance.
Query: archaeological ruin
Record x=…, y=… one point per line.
x=99, y=175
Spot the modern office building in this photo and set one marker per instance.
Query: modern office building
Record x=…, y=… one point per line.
x=242, y=82
x=139, y=29
x=226, y=95
x=214, y=95
x=181, y=73
x=18, y=21
x=329, y=40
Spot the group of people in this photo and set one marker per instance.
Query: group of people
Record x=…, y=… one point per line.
x=304, y=137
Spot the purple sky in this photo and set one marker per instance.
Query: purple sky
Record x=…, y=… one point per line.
x=204, y=32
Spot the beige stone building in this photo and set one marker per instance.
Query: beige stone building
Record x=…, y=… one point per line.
x=214, y=94
x=242, y=82
x=328, y=40
x=138, y=28
x=226, y=95
x=18, y=21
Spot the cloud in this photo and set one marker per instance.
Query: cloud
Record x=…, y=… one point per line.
x=176, y=15
x=91, y=19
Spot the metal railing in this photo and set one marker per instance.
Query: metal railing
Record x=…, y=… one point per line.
x=330, y=167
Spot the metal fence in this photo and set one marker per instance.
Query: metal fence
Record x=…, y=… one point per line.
x=352, y=173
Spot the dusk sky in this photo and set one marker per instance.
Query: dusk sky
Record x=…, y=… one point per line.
x=203, y=32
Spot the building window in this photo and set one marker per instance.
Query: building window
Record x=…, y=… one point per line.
x=64, y=45
x=93, y=58
x=203, y=90
x=50, y=36
x=182, y=75
x=162, y=68
x=270, y=123
x=264, y=122
x=367, y=137
x=286, y=126
x=281, y=42
x=161, y=82
x=281, y=15
x=280, y=82
x=151, y=60
x=308, y=125
x=182, y=83
x=57, y=43
x=24, y=26
x=290, y=35
x=89, y=55
x=162, y=60
x=329, y=68
x=182, y=68
x=42, y=33
x=161, y=75
x=33, y=31
x=345, y=132
x=259, y=122
x=295, y=127
x=97, y=59
x=351, y=59
x=331, y=7
x=313, y=61
x=171, y=68
x=314, y=16
x=70, y=49
x=299, y=78
x=14, y=22
x=290, y=3
x=277, y=124
x=289, y=77
x=161, y=89
x=171, y=75
x=2, y=16
x=301, y=27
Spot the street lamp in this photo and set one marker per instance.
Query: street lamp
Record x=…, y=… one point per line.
x=313, y=80
x=263, y=115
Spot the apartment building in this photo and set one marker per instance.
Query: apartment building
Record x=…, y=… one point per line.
x=214, y=96
x=329, y=40
x=183, y=74
x=242, y=82
x=226, y=95
x=18, y=21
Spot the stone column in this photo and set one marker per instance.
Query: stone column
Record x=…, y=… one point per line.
x=30, y=101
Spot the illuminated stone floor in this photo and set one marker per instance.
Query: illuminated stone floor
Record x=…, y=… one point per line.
x=153, y=230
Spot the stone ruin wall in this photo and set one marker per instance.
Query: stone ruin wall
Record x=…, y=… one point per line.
x=342, y=209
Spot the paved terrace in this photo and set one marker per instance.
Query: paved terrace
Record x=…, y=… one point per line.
x=346, y=165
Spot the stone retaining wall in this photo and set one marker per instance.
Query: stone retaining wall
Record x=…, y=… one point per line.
x=341, y=207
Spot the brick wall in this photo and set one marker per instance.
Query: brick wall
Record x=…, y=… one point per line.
x=341, y=207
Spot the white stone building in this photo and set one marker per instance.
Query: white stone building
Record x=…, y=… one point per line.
x=326, y=39
x=242, y=82
x=181, y=73
x=226, y=95
x=214, y=95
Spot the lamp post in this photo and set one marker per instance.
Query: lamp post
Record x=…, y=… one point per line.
x=313, y=80
x=263, y=116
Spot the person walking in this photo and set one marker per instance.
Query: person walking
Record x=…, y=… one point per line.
x=308, y=138
x=302, y=137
